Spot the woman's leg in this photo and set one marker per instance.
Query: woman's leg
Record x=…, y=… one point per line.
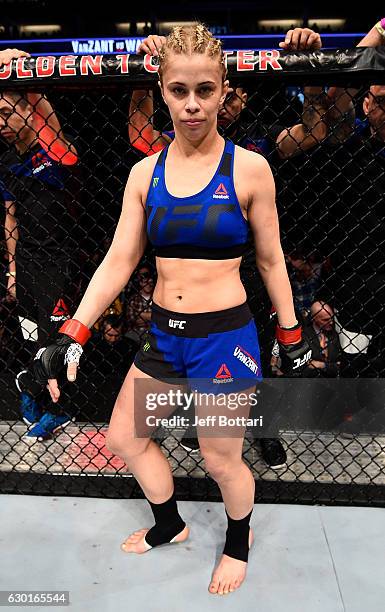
x=223, y=460
x=145, y=460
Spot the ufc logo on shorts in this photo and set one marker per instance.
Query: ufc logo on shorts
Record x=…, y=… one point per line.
x=300, y=362
x=175, y=323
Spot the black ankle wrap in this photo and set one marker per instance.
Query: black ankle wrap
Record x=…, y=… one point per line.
x=168, y=522
x=237, y=537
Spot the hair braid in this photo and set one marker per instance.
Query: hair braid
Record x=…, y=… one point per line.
x=195, y=38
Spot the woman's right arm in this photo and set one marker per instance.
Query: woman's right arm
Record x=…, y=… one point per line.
x=124, y=253
x=109, y=279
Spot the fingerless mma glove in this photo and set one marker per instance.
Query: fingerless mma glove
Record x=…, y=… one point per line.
x=67, y=348
x=294, y=350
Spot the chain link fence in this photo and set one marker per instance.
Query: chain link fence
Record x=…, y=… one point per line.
x=67, y=146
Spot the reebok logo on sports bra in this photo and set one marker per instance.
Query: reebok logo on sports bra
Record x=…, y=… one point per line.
x=221, y=192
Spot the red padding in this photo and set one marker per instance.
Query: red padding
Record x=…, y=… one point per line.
x=289, y=336
x=76, y=330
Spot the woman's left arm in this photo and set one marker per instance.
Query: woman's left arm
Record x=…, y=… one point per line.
x=263, y=218
x=294, y=349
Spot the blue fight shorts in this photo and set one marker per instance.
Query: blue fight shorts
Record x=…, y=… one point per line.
x=213, y=351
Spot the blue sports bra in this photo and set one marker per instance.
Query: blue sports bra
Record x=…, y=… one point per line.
x=207, y=225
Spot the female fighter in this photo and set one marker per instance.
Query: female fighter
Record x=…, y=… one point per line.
x=194, y=201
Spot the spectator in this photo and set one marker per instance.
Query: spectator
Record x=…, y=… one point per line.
x=116, y=308
x=110, y=352
x=305, y=275
x=109, y=357
x=323, y=339
x=38, y=180
x=112, y=329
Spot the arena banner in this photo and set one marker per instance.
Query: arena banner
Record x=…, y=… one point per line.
x=267, y=63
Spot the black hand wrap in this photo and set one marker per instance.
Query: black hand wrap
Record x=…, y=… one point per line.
x=294, y=351
x=67, y=348
x=51, y=360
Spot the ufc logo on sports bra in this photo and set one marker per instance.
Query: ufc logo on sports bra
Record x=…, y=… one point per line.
x=185, y=218
x=175, y=323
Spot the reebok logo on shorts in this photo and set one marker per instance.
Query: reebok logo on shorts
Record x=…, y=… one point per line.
x=249, y=361
x=223, y=375
x=221, y=192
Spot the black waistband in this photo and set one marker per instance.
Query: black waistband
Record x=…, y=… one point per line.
x=201, y=324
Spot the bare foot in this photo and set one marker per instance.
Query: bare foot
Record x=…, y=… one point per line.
x=135, y=543
x=229, y=574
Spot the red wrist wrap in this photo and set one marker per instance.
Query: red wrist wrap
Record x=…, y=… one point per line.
x=288, y=336
x=75, y=330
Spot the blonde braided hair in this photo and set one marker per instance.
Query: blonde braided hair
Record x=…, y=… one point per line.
x=195, y=38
